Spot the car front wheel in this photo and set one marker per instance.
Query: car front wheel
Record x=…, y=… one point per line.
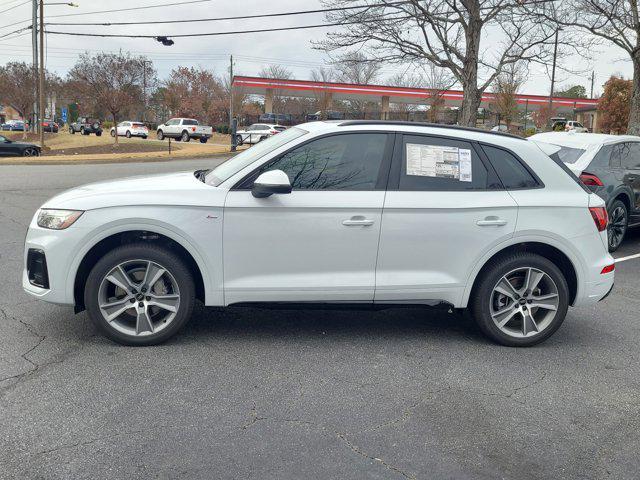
x=618, y=222
x=139, y=294
x=520, y=300
x=160, y=135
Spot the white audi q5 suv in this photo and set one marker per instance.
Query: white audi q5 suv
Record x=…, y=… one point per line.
x=354, y=212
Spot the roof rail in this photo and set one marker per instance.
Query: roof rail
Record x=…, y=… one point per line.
x=425, y=124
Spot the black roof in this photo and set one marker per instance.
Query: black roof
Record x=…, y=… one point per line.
x=425, y=124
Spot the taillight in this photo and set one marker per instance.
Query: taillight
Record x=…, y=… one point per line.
x=590, y=180
x=273, y=132
x=193, y=129
x=608, y=269
x=600, y=217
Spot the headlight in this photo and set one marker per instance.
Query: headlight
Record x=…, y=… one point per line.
x=57, y=219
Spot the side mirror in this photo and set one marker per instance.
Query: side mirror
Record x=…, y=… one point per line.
x=268, y=183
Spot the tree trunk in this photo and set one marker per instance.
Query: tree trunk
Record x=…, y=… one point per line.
x=115, y=127
x=470, y=104
x=472, y=95
x=634, y=113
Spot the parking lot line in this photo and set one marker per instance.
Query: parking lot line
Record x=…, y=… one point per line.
x=629, y=257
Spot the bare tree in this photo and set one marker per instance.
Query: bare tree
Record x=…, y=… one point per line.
x=472, y=39
x=277, y=72
x=355, y=67
x=505, y=91
x=323, y=98
x=17, y=88
x=110, y=81
x=614, y=21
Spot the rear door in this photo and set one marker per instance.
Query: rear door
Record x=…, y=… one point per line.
x=444, y=209
x=630, y=161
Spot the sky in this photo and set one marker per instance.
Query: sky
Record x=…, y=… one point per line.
x=252, y=52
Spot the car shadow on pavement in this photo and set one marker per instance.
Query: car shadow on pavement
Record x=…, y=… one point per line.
x=301, y=324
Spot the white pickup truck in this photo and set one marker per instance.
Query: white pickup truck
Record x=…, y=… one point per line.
x=184, y=129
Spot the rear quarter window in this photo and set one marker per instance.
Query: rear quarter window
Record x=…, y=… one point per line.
x=512, y=173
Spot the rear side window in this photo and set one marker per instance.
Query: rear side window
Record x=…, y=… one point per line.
x=189, y=122
x=604, y=159
x=511, y=172
x=442, y=164
x=630, y=155
x=568, y=154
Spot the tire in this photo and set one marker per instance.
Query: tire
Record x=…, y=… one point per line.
x=128, y=135
x=185, y=136
x=204, y=139
x=238, y=140
x=143, y=323
x=144, y=137
x=618, y=223
x=99, y=133
x=487, y=303
x=30, y=152
x=72, y=131
x=82, y=131
x=160, y=135
x=113, y=133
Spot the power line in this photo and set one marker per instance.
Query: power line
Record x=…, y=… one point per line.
x=209, y=34
x=165, y=5
x=241, y=17
x=15, y=6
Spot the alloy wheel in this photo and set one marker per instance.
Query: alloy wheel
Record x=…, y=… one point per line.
x=524, y=302
x=617, y=227
x=139, y=297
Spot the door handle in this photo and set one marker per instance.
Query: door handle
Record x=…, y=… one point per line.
x=491, y=222
x=358, y=221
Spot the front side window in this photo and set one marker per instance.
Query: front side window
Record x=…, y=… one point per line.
x=229, y=168
x=511, y=172
x=442, y=164
x=338, y=162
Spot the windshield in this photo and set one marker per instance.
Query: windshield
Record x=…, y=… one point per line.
x=565, y=154
x=229, y=168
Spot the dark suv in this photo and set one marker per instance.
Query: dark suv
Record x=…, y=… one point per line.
x=609, y=166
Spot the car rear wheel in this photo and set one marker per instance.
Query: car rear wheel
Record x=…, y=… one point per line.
x=203, y=139
x=185, y=137
x=139, y=294
x=160, y=135
x=520, y=300
x=238, y=140
x=82, y=131
x=113, y=133
x=98, y=133
x=618, y=222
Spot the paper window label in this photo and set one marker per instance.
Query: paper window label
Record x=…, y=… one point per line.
x=439, y=162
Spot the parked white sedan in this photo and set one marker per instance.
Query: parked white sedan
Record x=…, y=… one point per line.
x=356, y=213
x=130, y=129
x=257, y=132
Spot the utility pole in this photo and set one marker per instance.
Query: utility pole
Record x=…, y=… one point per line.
x=144, y=90
x=34, y=63
x=593, y=78
x=553, y=71
x=230, y=90
x=41, y=93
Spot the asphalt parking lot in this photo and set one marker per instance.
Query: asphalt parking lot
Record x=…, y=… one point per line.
x=245, y=393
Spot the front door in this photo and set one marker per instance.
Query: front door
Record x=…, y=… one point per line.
x=319, y=243
x=445, y=207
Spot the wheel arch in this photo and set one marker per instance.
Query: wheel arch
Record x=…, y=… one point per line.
x=624, y=196
x=543, y=248
x=123, y=237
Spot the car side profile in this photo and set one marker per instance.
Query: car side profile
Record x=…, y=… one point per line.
x=609, y=165
x=10, y=148
x=257, y=133
x=184, y=129
x=357, y=213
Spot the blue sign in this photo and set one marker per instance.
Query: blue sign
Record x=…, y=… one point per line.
x=64, y=115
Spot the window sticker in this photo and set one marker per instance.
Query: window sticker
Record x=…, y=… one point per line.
x=439, y=162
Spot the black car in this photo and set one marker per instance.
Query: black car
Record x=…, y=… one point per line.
x=9, y=148
x=609, y=166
